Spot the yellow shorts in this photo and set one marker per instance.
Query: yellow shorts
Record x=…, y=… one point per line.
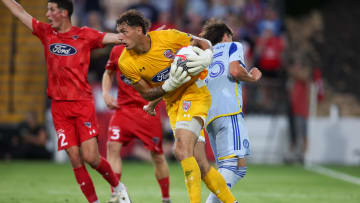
x=194, y=102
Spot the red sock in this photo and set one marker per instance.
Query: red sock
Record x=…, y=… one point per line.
x=86, y=184
x=119, y=177
x=106, y=171
x=164, y=185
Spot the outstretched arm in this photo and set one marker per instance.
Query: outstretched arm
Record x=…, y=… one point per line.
x=18, y=11
x=111, y=38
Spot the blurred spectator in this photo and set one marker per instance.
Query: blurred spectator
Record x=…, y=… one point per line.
x=147, y=9
x=300, y=77
x=271, y=21
x=33, y=139
x=269, y=53
x=253, y=12
x=219, y=9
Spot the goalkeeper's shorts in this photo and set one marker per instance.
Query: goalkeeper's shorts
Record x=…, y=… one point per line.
x=194, y=102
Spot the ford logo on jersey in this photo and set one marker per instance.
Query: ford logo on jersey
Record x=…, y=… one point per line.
x=162, y=75
x=62, y=49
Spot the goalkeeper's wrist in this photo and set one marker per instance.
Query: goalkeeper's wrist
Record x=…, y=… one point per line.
x=167, y=87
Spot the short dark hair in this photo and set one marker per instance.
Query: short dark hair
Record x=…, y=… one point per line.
x=64, y=4
x=214, y=30
x=134, y=18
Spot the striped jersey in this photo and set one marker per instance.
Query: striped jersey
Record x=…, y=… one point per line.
x=226, y=92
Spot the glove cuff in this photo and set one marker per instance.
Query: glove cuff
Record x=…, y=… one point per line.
x=167, y=87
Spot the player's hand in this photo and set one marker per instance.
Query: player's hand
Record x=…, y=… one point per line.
x=149, y=109
x=255, y=73
x=177, y=77
x=110, y=102
x=197, y=63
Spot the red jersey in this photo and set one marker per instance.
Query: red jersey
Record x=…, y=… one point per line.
x=67, y=59
x=127, y=95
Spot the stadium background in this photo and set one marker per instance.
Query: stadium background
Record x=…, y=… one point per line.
x=320, y=36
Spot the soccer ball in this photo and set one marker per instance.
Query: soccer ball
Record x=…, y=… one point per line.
x=181, y=56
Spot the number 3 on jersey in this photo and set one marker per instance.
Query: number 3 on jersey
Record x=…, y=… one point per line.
x=116, y=134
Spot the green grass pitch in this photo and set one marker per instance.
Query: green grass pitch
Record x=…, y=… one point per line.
x=46, y=182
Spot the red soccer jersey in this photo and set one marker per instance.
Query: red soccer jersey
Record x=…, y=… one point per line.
x=127, y=95
x=67, y=59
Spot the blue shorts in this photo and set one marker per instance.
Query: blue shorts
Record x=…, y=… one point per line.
x=228, y=137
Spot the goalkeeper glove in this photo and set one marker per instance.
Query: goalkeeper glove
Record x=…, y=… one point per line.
x=200, y=61
x=177, y=77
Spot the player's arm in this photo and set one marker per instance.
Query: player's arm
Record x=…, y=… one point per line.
x=147, y=92
x=177, y=77
x=107, y=81
x=111, y=38
x=150, y=107
x=201, y=43
x=203, y=49
x=239, y=72
x=18, y=11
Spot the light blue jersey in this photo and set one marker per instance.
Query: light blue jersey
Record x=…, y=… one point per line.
x=226, y=93
x=225, y=123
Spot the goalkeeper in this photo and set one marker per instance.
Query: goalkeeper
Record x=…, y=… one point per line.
x=146, y=62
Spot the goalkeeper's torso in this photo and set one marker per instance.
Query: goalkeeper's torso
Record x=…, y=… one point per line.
x=154, y=65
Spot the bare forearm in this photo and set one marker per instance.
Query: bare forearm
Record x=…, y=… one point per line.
x=153, y=93
x=18, y=11
x=107, y=81
x=201, y=43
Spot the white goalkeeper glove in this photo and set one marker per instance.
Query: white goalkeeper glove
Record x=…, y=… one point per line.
x=197, y=63
x=177, y=77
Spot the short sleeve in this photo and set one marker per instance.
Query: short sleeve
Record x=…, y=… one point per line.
x=236, y=53
x=178, y=38
x=94, y=37
x=40, y=29
x=112, y=63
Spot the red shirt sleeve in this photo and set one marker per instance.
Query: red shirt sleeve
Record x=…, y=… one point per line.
x=40, y=29
x=94, y=37
x=112, y=63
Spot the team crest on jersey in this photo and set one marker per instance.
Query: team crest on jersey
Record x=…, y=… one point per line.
x=62, y=49
x=186, y=105
x=87, y=124
x=169, y=54
x=246, y=143
x=75, y=37
x=162, y=75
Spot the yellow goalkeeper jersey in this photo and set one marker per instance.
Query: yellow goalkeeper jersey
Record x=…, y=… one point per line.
x=154, y=65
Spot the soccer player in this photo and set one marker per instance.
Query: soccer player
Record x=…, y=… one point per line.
x=67, y=53
x=130, y=122
x=147, y=63
x=225, y=123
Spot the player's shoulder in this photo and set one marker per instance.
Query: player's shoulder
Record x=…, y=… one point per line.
x=164, y=33
x=117, y=49
x=86, y=30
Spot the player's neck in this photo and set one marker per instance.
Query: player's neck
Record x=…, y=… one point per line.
x=65, y=27
x=144, y=46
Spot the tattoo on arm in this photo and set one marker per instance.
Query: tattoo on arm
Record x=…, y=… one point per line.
x=153, y=93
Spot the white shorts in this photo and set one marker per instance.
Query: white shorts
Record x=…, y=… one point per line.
x=228, y=137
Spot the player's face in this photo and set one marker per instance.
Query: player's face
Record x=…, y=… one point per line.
x=54, y=15
x=129, y=35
